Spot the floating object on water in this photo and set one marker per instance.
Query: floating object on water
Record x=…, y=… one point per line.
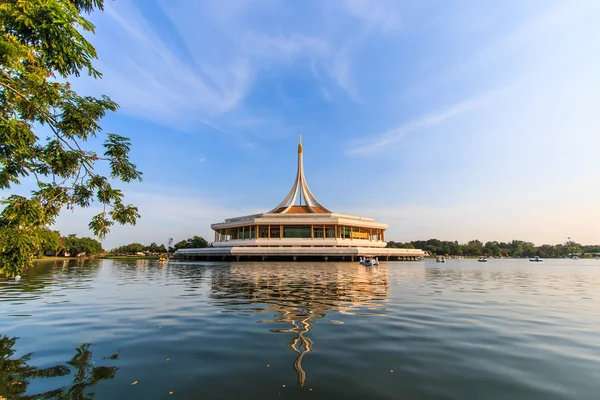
x=268, y=365
x=134, y=383
x=482, y=259
x=536, y=259
x=391, y=370
x=333, y=321
x=18, y=277
x=170, y=392
x=369, y=261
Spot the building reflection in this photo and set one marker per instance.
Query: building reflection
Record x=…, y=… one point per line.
x=299, y=294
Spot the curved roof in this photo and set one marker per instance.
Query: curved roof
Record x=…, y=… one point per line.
x=300, y=191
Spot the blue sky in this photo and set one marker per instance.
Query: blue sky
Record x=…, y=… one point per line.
x=450, y=120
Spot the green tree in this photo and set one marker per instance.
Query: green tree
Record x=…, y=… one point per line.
x=181, y=245
x=42, y=45
x=50, y=241
x=86, y=246
x=195, y=242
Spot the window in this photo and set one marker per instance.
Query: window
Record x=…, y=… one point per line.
x=274, y=232
x=318, y=232
x=345, y=232
x=296, y=232
x=330, y=232
x=263, y=231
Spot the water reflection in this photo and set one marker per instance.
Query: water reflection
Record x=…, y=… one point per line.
x=17, y=374
x=299, y=296
x=46, y=277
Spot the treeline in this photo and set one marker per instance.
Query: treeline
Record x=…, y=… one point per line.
x=515, y=248
x=52, y=243
x=153, y=248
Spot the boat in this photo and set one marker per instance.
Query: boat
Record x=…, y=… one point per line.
x=482, y=259
x=368, y=261
x=536, y=259
x=440, y=259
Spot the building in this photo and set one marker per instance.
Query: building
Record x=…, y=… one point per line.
x=299, y=228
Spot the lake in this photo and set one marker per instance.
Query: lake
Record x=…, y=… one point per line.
x=506, y=329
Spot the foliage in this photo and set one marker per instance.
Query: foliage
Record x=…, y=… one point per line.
x=42, y=45
x=82, y=246
x=195, y=242
x=133, y=248
x=16, y=374
x=515, y=248
x=50, y=242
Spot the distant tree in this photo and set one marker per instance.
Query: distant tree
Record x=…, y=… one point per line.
x=50, y=241
x=192, y=243
x=152, y=248
x=133, y=248
x=181, y=245
x=492, y=249
x=88, y=246
x=197, y=242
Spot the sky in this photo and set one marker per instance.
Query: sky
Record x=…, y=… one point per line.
x=451, y=120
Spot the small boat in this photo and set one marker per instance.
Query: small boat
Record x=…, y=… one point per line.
x=441, y=259
x=368, y=261
x=536, y=259
x=482, y=259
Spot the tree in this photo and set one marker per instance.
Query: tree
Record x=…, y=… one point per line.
x=191, y=243
x=197, y=242
x=50, y=241
x=181, y=245
x=42, y=45
x=86, y=246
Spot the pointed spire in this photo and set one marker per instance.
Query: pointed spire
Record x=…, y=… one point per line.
x=300, y=191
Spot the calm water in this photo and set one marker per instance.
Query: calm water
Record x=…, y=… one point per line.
x=507, y=329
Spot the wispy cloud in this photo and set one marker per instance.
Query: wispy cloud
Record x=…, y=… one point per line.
x=391, y=137
x=380, y=15
x=206, y=67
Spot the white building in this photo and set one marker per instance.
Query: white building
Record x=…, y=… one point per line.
x=299, y=227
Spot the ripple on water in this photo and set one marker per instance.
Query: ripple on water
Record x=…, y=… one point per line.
x=412, y=330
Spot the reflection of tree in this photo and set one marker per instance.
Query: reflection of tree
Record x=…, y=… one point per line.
x=298, y=294
x=16, y=374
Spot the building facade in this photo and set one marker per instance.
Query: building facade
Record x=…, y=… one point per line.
x=299, y=227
